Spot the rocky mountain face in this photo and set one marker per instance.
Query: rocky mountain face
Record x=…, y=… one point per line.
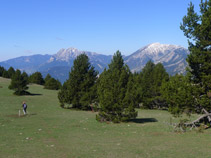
x=171, y=56
x=67, y=56
x=58, y=65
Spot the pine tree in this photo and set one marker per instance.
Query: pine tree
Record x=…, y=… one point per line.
x=130, y=100
x=48, y=76
x=2, y=69
x=63, y=95
x=36, y=78
x=5, y=74
x=79, y=90
x=18, y=83
x=160, y=76
x=149, y=83
x=197, y=28
x=26, y=77
x=11, y=72
x=52, y=84
x=179, y=94
x=115, y=92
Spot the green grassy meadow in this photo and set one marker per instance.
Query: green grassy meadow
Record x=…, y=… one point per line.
x=50, y=131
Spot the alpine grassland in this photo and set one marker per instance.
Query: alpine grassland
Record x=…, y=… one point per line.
x=51, y=131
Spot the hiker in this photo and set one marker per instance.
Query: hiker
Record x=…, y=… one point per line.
x=24, y=107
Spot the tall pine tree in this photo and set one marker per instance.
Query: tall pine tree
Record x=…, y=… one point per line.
x=149, y=82
x=2, y=69
x=116, y=92
x=179, y=95
x=11, y=72
x=18, y=83
x=79, y=90
x=197, y=28
x=36, y=78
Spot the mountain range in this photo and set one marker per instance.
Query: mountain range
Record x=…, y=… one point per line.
x=58, y=65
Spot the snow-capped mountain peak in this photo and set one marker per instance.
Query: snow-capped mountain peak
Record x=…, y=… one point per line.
x=69, y=53
x=66, y=54
x=163, y=53
x=155, y=51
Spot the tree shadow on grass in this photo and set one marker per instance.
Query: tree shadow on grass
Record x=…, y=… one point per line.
x=143, y=120
x=22, y=93
x=30, y=94
x=33, y=94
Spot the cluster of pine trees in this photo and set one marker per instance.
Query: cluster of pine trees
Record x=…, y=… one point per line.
x=7, y=73
x=48, y=82
x=19, y=80
x=116, y=92
x=148, y=83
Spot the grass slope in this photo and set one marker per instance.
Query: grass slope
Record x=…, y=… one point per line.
x=50, y=131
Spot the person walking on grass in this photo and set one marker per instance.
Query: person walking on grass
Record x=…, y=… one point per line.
x=24, y=105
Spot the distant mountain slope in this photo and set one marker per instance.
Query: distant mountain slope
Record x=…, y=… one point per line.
x=28, y=64
x=65, y=57
x=171, y=56
x=58, y=72
x=59, y=65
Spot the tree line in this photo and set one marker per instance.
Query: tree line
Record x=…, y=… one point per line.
x=20, y=80
x=116, y=92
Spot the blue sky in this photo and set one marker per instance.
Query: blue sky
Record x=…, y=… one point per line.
x=44, y=26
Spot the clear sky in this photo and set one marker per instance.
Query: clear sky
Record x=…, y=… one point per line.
x=44, y=26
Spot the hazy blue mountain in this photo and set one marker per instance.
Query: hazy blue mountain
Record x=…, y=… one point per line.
x=59, y=65
x=29, y=64
x=59, y=72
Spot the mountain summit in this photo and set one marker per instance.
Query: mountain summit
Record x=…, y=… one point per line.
x=59, y=65
x=68, y=54
x=173, y=57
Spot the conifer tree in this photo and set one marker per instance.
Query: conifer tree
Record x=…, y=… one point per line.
x=52, y=84
x=149, y=83
x=26, y=77
x=116, y=93
x=5, y=74
x=79, y=90
x=11, y=72
x=179, y=94
x=197, y=28
x=193, y=94
x=48, y=76
x=2, y=69
x=36, y=78
x=18, y=83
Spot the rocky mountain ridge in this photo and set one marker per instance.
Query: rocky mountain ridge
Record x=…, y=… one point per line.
x=58, y=65
x=173, y=57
